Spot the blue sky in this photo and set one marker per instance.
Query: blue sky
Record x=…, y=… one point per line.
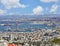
x=29, y=7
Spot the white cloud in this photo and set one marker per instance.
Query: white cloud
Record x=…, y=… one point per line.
x=38, y=10
x=11, y=13
x=53, y=8
x=12, y=4
x=2, y=12
x=47, y=1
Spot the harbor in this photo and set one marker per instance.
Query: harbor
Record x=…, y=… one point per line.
x=27, y=33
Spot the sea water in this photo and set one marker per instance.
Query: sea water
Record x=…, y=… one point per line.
x=24, y=25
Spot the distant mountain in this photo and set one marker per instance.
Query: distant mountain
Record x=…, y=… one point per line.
x=52, y=16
